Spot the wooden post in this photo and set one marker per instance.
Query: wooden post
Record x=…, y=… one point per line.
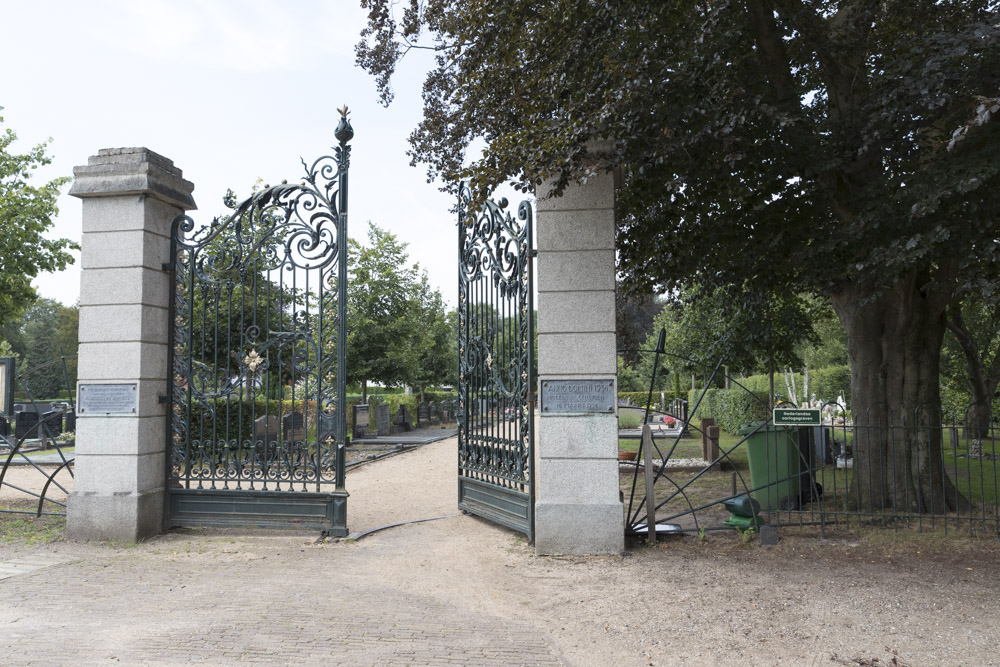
x=712, y=450
x=647, y=457
x=706, y=423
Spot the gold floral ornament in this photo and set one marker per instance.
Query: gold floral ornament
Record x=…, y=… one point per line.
x=253, y=361
x=329, y=442
x=330, y=408
x=489, y=360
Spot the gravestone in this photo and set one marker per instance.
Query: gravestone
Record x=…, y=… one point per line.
x=69, y=421
x=360, y=420
x=326, y=428
x=402, y=420
x=445, y=412
x=265, y=432
x=455, y=408
x=53, y=423
x=421, y=414
x=383, y=425
x=4, y=427
x=432, y=413
x=25, y=421
x=293, y=436
x=293, y=427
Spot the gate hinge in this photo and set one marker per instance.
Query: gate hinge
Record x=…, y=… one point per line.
x=532, y=253
x=532, y=397
x=162, y=398
x=168, y=266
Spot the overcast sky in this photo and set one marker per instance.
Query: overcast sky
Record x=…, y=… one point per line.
x=231, y=92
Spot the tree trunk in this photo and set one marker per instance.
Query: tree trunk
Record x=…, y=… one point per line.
x=894, y=342
x=364, y=392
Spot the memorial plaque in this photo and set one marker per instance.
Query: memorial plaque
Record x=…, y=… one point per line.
x=560, y=396
x=108, y=399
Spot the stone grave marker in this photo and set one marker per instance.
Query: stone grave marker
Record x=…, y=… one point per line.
x=293, y=427
x=326, y=428
x=383, y=425
x=4, y=427
x=360, y=420
x=421, y=414
x=69, y=421
x=265, y=432
x=26, y=421
x=293, y=435
x=401, y=422
x=432, y=413
x=53, y=423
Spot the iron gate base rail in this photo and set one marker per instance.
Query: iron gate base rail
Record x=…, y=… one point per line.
x=264, y=509
x=504, y=506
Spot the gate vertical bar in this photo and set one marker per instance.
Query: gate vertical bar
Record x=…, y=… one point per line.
x=344, y=133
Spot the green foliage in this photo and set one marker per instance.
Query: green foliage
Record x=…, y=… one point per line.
x=399, y=330
x=838, y=148
x=826, y=383
x=740, y=326
x=26, y=213
x=732, y=409
x=47, y=331
x=628, y=378
x=634, y=314
x=638, y=398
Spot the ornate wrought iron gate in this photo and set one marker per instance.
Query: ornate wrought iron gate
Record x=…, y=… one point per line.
x=257, y=422
x=496, y=364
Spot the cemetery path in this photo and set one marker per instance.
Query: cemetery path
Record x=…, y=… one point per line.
x=462, y=591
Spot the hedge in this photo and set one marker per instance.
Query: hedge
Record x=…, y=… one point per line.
x=231, y=412
x=827, y=383
x=732, y=409
x=638, y=398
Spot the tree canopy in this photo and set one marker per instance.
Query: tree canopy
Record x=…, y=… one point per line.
x=26, y=213
x=841, y=147
x=399, y=331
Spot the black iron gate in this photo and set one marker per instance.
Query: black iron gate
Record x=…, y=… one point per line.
x=257, y=422
x=496, y=364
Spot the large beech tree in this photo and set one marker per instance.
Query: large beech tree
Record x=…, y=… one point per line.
x=844, y=147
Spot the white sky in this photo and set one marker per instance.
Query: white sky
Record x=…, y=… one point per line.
x=231, y=92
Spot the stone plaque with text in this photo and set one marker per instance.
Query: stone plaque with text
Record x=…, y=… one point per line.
x=578, y=396
x=108, y=399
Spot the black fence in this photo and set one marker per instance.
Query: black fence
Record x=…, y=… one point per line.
x=872, y=467
x=37, y=443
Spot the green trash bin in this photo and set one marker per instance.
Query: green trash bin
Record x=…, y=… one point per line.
x=773, y=453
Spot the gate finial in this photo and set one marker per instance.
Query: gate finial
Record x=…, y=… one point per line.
x=344, y=131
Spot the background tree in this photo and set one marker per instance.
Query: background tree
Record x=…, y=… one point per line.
x=26, y=213
x=634, y=315
x=842, y=147
x=383, y=312
x=46, y=331
x=437, y=342
x=971, y=358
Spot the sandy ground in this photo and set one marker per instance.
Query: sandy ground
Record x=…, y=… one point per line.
x=873, y=599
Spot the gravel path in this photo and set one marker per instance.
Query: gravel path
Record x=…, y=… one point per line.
x=462, y=591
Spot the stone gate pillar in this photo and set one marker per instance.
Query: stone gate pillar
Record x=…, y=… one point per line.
x=578, y=508
x=130, y=196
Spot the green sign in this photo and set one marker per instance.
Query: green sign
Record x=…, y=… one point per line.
x=796, y=417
